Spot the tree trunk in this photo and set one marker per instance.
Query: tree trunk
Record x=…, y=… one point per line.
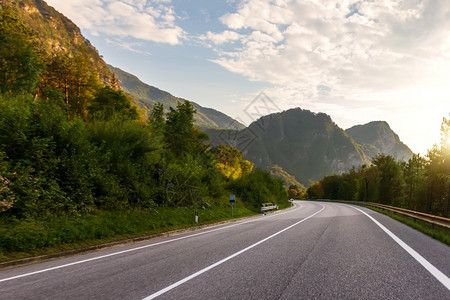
x=448, y=201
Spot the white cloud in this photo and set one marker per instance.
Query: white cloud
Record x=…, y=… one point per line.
x=141, y=19
x=355, y=60
x=130, y=46
x=221, y=38
x=379, y=51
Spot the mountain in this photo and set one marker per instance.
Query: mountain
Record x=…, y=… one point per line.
x=56, y=33
x=310, y=146
x=378, y=138
x=304, y=144
x=147, y=95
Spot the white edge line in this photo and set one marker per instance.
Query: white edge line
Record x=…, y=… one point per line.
x=178, y=283
x=425, y=263
x=141, y=247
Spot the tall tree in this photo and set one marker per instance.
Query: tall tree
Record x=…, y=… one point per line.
x=415, y=179
x=109, y=102
x=156, y=118
x=20, y=65
x=368, y=185
x=445, y=161
x=391, y=182
x=77, y=80
x=181, y=136
x=434, y=180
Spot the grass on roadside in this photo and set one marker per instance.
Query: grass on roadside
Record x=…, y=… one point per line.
x=27, y=238
x=437, y=232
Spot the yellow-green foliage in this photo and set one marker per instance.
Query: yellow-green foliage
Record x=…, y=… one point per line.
x=229, y=162
x=288, y=179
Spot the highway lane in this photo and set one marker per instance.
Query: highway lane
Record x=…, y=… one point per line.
x=313, y=251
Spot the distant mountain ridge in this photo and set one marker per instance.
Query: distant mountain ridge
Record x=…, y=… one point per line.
x=377, y=137
x=309, y=146
x=57, y=33
x=146, y=96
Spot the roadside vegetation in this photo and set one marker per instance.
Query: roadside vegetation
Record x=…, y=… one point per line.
x=437, y=232
x=80, y=164
x=422, y=183
x=33, y=237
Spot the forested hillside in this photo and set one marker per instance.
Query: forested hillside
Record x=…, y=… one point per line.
x=78, y=161
x=146, y=96
x=304, y=144
x=309, y=146
x=63, y=42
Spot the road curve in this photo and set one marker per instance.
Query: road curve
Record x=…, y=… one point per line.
x=312, y=251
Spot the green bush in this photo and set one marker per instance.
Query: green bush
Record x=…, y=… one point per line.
x=259, y=187
x=34, y=236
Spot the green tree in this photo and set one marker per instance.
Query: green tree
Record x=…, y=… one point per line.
x=156, y=119
x=331, y=186
x=76, y=79
x=109, y=102
x=415, y=178
x=181, y=136
x=391, y=182
x=368, y=183
x=20, y=65
x=315, y=191
x=131, y=153
x=435, y=183
x=350, y=185
x=228, y=160
x=51, y=163
x=445, y=149
x=294, y=192
x=438, y=173
x=259, y=187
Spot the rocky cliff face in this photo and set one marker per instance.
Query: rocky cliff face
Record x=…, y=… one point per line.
x=57, y=33
x=378, y=138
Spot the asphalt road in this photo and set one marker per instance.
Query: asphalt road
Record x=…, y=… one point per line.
x=312, y=251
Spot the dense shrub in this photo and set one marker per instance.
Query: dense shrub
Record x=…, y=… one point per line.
x=259, y=187
x=72, y=149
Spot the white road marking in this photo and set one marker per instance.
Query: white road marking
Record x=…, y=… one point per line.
x=143, y=247
x=425, y=263
x=178, y=283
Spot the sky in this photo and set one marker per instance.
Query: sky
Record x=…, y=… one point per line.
x=357, y=61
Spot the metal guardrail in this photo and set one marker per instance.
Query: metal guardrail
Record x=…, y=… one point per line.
x=434, y=220
x=267, y=207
